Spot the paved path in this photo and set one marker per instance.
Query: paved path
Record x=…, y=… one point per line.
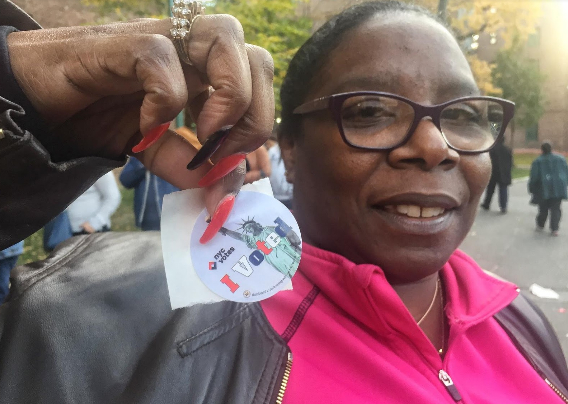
x=509, y=246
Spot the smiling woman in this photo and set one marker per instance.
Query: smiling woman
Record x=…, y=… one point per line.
x=385, y=136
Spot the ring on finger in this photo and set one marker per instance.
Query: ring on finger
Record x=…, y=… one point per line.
x=184, y=14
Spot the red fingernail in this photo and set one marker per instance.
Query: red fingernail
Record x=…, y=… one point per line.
x=151, y=137
x=219, y=217
x=222, y=168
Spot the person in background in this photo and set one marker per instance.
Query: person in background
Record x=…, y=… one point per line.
x=258, y=165
x=547, y=184
x=282, y=189
x=501, y=166
x=91, y=211
x=149, y=191
x=8, y=259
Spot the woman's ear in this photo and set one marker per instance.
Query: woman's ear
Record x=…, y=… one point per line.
x=288, y=153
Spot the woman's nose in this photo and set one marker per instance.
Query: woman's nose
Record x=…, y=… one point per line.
x=426, y=149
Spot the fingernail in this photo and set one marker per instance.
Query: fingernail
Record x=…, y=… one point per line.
x=151, y=137
x=219, y=217
x=222, y=168
x=209, y=147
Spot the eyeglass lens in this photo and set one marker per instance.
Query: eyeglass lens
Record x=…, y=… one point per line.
x=381, y=122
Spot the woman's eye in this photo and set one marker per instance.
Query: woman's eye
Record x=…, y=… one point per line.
x=366, y=111
x=462, y=114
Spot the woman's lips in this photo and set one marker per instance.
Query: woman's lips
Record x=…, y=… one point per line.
x=416, y=220
x=423, y=214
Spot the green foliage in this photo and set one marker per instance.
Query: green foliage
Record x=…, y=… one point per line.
x=128, y=9
x=273, y=25
x=521, y=82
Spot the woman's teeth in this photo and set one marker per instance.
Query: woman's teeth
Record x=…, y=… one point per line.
x=415, y=211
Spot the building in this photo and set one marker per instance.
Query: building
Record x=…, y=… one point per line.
x=548, y=48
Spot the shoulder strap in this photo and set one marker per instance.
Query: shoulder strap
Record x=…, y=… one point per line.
x=533, y=335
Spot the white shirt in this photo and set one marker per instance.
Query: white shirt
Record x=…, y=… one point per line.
x=283, y=191
x=96, y=205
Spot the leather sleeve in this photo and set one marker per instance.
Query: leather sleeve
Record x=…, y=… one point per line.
x=33, y=189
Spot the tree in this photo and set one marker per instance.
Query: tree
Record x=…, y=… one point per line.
x=506, y=20
x=271, y=24
x=520, y=81
x=122, y=10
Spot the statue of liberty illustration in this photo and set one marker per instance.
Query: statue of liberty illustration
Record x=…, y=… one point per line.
x=282, y=253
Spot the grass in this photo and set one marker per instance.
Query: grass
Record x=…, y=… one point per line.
x=525, y=159
x=520, y=172
x=122, y=220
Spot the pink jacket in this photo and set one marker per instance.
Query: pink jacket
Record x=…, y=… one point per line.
x=353, y=340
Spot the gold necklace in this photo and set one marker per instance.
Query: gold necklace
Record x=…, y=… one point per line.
x=443, y=317
x=431, y=303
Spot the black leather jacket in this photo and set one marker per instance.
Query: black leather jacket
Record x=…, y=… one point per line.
x=93, y=324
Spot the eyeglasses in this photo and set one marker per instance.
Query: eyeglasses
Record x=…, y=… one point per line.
x=382, y=121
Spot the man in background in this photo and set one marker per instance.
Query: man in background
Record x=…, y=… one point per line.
x=547, y=184
x=501, y=166
x=149, y=191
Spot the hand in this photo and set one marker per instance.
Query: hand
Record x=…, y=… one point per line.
x=101, y=88
x=88, y=228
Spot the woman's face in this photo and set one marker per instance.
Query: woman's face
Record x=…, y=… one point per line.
x=363, y=204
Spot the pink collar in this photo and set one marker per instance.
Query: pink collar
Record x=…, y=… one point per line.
x=364, y=293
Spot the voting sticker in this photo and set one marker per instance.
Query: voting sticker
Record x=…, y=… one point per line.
x=254, y=255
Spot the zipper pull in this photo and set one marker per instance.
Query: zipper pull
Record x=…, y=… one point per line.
x=447, y=380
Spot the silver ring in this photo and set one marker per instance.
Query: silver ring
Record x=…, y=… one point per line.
x=184, y=14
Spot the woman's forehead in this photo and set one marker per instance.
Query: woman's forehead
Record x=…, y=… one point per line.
x=406, y=54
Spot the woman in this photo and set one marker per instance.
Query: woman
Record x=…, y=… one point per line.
x=257, y=165
x=91, y=212
x=384, y=309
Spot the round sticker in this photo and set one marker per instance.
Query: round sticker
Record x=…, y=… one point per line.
x=254, y=255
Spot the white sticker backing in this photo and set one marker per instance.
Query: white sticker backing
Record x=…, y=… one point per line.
x=254, y=255
x=260, y=239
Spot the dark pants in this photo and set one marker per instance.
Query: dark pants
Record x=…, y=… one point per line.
x=555, y=213
x=6, y=265
x=503, y=194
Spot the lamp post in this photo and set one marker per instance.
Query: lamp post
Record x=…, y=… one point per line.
x=442, y=6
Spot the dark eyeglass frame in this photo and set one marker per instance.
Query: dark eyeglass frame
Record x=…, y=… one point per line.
x=335, y=103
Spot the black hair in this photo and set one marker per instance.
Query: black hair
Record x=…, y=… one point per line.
x=313, y=54
x=546, y=147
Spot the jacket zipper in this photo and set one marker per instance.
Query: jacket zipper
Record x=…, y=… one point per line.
x=450, y=386
x=285, y=378
x=553, y=387
x=442, y=374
